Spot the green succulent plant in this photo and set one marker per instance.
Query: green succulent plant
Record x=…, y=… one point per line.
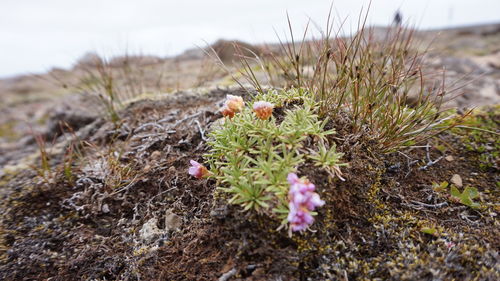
x=251, y=158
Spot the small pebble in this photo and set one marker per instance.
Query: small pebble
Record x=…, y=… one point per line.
x=449, y=158
x=105, y=208
x=456, y=180
x=172, y=221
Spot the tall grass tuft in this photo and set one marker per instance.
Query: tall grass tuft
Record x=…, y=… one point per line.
x=44, y=170
x=100, y=81
x=115, y=81
x=379, y=83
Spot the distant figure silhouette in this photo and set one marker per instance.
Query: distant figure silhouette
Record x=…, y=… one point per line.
x=398, y=18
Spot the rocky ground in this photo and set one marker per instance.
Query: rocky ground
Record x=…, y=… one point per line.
x=114, y=201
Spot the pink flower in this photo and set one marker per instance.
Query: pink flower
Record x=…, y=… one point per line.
x=232, y=105
x=299, y=219
x=197, y=170
x=299, y=185
x=227, y=112
x=292, y=178
x=316, y=201
x=263, y=109
x=302, y=201
x=450, y=244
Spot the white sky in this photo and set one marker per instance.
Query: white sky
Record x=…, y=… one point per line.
x=36, y=35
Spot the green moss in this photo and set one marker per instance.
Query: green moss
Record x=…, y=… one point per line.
x=479, y=134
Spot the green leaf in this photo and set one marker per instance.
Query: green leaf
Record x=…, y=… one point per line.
x=466, y=196
x=428, y=230
x=455, y=192
x=471, y=192
x=442, y=187
x=475, y=205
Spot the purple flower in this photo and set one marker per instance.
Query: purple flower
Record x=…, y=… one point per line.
x=299, y=185
x=314, y=201
x=302, y=201
x=299, y=219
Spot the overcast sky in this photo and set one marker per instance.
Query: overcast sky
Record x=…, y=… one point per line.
x=36, y=35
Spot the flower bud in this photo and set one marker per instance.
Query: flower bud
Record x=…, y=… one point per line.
x=197, y=170
x=263, y=109
x=234, y=103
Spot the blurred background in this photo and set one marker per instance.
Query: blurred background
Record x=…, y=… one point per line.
x=38, y=35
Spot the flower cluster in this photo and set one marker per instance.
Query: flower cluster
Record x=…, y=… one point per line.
x=232, y=105
x=302, y=201
x=197, y=170
x=263, y=109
